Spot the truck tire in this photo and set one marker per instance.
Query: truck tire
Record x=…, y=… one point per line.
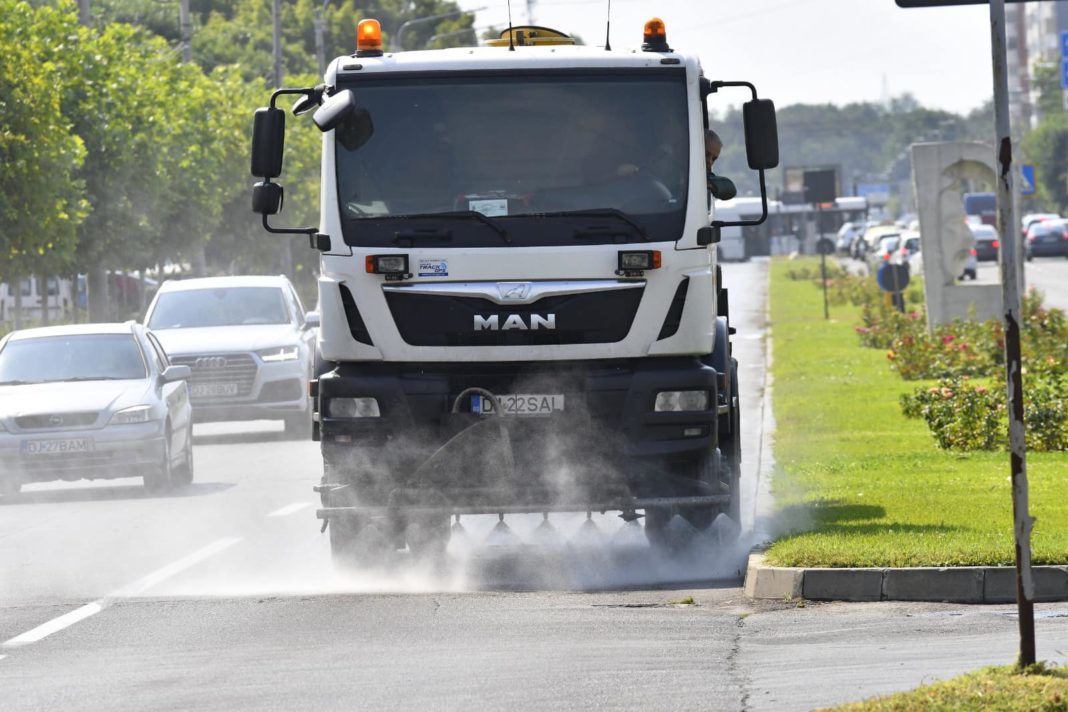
x=730, y=447
x=658, y=522
x=356, y=541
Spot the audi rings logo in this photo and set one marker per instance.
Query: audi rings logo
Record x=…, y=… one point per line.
x=55, y=420
x=206, y=362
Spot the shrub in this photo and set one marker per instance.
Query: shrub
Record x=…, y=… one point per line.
x=964, y=415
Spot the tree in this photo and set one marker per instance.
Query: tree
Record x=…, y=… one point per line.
x=1047, y=148
x=40, y=195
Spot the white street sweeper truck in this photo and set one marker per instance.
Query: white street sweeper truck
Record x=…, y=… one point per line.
x=520, y=303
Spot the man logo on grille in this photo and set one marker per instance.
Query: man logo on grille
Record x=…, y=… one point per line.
x=514, y=321
x=55, y=420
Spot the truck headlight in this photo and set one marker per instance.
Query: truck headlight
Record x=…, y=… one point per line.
x=282, y=353
x=133, y=414
x=352, y=408
x=675, y=401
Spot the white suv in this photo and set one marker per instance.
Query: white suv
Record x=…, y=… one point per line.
x=249, y=343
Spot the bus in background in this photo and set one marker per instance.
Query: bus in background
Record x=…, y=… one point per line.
x=981, y=207
x=738, y=244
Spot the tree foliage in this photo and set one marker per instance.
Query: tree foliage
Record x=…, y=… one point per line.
x=41, y=201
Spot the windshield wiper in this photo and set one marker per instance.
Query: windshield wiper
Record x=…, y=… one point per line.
x=16, y=383
x=600, y=212
x=75, y=379
x=463, y=215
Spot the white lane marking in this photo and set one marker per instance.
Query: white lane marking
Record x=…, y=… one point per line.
x=56, y=624
x=288, y=509
x=139, y=586
x=143, y=584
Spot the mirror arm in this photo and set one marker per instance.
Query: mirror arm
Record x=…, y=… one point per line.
x=713, y=87
x=763, y=209
x=309, y=92
x=289, y=230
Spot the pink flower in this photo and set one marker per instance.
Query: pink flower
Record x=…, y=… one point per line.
x=948, y=339
x=946, y=393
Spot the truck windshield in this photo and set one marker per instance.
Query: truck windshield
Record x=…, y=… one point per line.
x=551, y=159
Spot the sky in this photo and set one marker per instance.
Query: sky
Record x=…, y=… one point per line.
x=796, y=51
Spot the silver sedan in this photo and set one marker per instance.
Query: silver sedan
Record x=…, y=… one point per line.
x=92, y=401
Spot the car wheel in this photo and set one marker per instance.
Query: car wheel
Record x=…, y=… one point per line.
x=184, y=474
x=9, y=489
x=158, y=479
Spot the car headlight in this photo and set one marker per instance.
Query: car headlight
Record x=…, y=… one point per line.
x=675, y=401
x=282, y=353
x=352, y=408
x=133, y=414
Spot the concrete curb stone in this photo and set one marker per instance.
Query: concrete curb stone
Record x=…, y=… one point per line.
x=965, y=584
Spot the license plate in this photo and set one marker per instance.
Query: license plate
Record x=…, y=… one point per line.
x=213, y=390
x=520, y=404
x=56, y=446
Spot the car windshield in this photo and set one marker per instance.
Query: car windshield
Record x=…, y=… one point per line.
x=78, y=357
x=221, y=306
x=889, y=244
x=492, y=145
x=983, y=232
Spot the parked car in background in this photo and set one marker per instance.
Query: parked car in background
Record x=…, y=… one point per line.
x=987, y=244
x=846, y=234
x=1031, y=218
x=249, y=343
x=92, y=401
x=1047, y=238
x=871, y=239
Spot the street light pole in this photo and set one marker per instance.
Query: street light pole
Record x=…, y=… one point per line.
x=398, y=37
x=185, y=31
x=320, y=41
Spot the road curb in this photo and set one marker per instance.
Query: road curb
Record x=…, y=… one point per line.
x=963, y=584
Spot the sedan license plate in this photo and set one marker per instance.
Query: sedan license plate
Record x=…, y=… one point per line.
x=212, y=390
x=56, y=446
x=520, y=404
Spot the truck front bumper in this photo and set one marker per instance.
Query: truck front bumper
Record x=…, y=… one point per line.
x=609, y=406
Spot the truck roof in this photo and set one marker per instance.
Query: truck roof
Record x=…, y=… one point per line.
x=490, y=58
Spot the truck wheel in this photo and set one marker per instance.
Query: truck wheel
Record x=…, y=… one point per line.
x=357, y=541
x=730, y=448
x=661, y=529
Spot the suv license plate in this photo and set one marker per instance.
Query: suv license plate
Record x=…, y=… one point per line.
x=212, y=390
x=56, y=446
x=520, y=404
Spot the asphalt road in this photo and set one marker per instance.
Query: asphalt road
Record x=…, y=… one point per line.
x=223, y=597
x=1047, y=274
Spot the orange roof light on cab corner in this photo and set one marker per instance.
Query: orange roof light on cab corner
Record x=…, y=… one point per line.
x=369, y=38
x=655, y=36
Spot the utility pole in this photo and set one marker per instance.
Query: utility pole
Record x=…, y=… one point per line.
x=1011, y=281
x=1010, y=291
x=286, y=258
x=185, y=30
x=84, y=16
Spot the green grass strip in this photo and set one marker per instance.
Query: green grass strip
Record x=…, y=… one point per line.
x=995, y=689
x=858, y=484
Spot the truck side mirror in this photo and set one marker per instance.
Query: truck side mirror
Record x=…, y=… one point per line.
x=334, y=110
x=268, y=141
x=761, y=134
x=266, y=198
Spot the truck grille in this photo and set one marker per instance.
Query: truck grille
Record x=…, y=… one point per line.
x=219, y=377
x=47, y=421
x=586, y=318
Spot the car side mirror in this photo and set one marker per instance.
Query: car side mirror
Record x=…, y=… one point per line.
x=176, y=373
x=761, y=134
x=312, y=320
